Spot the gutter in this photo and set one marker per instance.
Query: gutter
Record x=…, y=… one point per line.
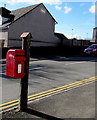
x=4, y=27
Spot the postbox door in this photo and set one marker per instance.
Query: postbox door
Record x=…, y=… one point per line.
x=19, y=71
x=10, y=65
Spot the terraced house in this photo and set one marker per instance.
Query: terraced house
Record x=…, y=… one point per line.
x=35, y=19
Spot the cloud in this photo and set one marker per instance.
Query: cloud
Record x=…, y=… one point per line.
x=68, y=36
x=51, y=2
x=77, y=36
x=92, y=9
x=58, y=7
x=67, y=9
x=54, y=2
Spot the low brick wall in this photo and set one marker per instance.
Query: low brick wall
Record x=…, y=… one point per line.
x=51, y=51
x=75, y=50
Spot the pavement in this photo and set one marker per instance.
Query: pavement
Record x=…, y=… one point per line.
x=74, y=104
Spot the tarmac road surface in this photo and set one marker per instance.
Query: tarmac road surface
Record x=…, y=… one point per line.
x=48, y=74
x=79, y=102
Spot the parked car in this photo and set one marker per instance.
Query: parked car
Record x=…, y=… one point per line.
x=91, y=50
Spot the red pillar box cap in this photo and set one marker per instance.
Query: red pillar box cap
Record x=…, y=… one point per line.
x=16, y=52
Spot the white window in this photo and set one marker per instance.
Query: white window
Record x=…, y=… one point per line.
x=3, y=20
x=0, y=20
x=43, y=11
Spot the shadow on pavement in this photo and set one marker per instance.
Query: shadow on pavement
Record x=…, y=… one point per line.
x=77, y=58
x=4, y=76
x=41, y=115
x=49, y=117
x=66, y=58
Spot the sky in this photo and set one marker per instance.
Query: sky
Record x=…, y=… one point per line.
x=75, y=18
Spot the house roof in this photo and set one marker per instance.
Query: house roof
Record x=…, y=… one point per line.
x=60, y=35
x=95, y=28
x=18, y=13
x=23, y=11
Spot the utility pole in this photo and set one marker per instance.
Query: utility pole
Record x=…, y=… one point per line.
x=24, y=81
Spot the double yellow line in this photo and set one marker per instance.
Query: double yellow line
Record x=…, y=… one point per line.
x=14, y=103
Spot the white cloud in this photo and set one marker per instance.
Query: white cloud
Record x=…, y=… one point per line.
x=74, y=36
x=68, y=36
x=92, y=9
x=77, y=36
x=58, y=7
x=54, y=2
x=51, y=2
x=67, y=9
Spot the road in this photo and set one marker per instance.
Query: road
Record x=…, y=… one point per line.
x=47, y=74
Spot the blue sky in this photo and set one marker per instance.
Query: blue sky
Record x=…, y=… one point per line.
x=75, y=19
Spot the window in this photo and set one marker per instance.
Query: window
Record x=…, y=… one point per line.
x=0, y=20
x=3, y=20
x=43, y=11
x=93, y=46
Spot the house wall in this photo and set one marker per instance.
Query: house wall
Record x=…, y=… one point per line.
x=39, y=23
x=3, y=38
x=94, y=35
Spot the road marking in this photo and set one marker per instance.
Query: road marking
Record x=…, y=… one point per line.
x=9, y=102
x=92, y=78
x=59, y=89
x=14, y=104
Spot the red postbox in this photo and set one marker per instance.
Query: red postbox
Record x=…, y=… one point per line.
x=15, y=62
